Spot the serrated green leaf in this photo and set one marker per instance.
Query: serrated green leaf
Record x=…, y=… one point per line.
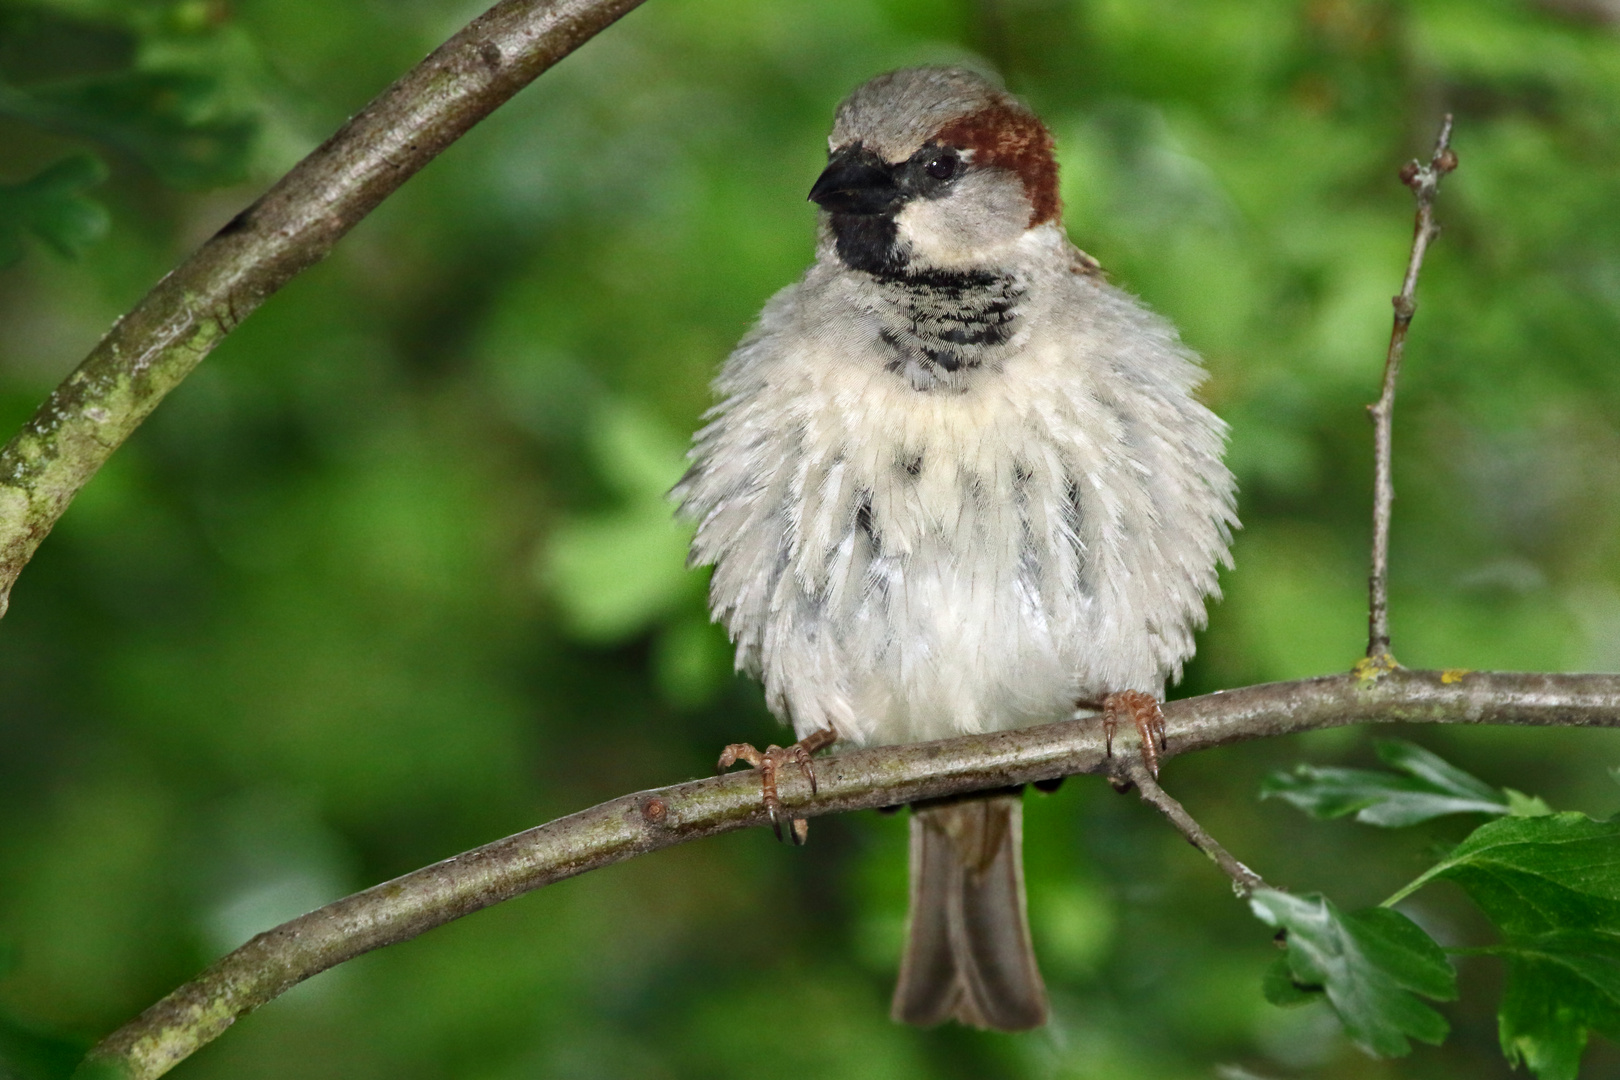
x=1371, y=965
x=1431, y=788
x=1540, y=875
x=52, y=207
x=1551, y=884
x=1559, y=987
x=1421, y=764
x=1522, y=805
x=1375, y=798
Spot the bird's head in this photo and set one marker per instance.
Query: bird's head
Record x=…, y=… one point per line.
x=934, y=169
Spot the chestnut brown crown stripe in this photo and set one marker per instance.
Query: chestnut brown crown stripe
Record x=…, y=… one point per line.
x=1011, y=137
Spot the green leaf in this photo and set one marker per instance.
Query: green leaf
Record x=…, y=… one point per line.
x=1551, y=884
x=1540, y=875
x=1412, y=759
x=53, y=208
x=1431, y=788
x=1559, y=987
x=1371, y=965
x=1522, y=805
x=1279, y=987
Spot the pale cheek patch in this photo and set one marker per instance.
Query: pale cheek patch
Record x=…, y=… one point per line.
x=976, y=224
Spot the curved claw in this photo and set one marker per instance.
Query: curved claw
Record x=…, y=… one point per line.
x=1145, y=714
x=773, y=808
x=769, y=762
x=802, y=759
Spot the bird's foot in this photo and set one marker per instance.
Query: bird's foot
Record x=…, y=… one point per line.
x=1144, y=712
x=769, y=762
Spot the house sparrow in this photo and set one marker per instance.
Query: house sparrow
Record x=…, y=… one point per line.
x=956, y=482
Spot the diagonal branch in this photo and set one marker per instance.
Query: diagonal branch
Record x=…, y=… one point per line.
x=1134, y=770
x=1424, y=180
x=291, y=227
x=276, y=960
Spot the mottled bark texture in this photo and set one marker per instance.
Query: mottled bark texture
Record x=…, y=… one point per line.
x=635, y=824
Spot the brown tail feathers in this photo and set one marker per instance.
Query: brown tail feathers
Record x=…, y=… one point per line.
x=968, y=956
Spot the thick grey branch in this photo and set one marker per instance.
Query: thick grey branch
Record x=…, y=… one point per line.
x=1424, y=180
x=293, y=226
x=635, y=824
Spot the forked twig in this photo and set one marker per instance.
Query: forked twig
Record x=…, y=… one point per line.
x=1424, y=180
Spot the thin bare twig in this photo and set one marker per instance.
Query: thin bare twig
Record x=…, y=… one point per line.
x=1131, y=767
x=275, y=961
x=1424, y=180
x=291, y=227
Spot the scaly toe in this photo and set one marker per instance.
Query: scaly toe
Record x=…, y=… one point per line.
x=769, y=762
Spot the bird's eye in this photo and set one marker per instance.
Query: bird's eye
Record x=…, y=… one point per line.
x=943, y=165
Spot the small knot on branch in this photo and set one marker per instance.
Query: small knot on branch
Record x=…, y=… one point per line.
x=654, y=811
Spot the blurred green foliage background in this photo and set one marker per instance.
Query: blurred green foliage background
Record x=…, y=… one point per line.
x=392, y=574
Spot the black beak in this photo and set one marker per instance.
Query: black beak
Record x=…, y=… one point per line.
x=857, y=181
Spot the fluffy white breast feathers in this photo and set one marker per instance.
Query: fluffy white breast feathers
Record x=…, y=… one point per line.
x=955, y=481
